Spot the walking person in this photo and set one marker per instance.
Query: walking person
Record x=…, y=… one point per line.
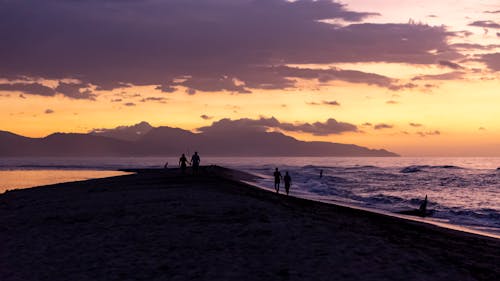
x=288, y=182
x=183, y=163
x=277, y=180
x=195, y=161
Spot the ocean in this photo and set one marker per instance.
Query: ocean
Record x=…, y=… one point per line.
x=461, y=191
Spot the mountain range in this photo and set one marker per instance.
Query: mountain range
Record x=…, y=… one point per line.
x=143, y=139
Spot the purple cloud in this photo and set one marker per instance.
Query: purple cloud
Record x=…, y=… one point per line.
x=470, y=46
x=75, y=91
x=329, y=127
x=492, y=61
x=211, y=45
x=429, y=133
x=485, y=24
x=382, y=126
x=325, y=102
x=49, y=111
x=29, y=88
x=450, y=64
x=69, y=90
x=444, y=76
x=154, y=99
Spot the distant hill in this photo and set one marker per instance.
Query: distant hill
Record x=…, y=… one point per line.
x=144, y=140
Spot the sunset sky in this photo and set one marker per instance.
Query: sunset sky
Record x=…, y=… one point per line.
x=419, y=78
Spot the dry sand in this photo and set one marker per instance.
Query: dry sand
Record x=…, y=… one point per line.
x=159, y=225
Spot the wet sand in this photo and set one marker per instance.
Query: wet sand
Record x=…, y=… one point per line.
x=160, y=225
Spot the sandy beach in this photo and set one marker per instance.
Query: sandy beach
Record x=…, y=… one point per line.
x=161, y=225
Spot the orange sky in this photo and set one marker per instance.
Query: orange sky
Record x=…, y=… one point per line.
x=456, y=116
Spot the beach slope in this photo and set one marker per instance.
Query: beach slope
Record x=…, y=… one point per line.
x=160, y=225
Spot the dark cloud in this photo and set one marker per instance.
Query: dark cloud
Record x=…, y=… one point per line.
x=329, y=127
x=333, y=103
x=116, y=100
x=212, y=44
x=444, y=76
x=22, y=96
x=129, y=104
x=325, y=102
x=429, y=133
x=485, y=24
x=190, y=91
x=49, y=111
x=205, y=117
x=392, y=102
x=155, y=99
x=367, y=124
x=482, y=129
x=69, y=90
x=382, y=126
x=492, y=61
x=403, y=86
x=74, y=90
x=492, y=12
x=166, y=88
x=326, y=75
x=463, y=33
x=470, y=46
x=450, y=64
x=28, y=88
x=415, y=124
x=244, y=124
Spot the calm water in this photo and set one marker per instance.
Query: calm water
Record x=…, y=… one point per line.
x=15, y=179
x=461, y=191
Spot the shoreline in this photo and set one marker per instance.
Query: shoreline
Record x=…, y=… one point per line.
x=248, y=179
x=214, y=226
x=430, y=221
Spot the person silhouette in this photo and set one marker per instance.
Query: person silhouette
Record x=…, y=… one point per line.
x=288, y=182
x=321, y=173
x=183, y=163
x=277, y=180
x=195, y=161
x=423, y=207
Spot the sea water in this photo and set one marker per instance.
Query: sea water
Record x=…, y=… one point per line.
x=461, y=191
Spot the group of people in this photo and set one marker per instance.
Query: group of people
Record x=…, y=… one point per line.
x=277, y=180
x=195, y=163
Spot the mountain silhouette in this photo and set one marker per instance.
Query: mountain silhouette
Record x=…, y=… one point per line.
x=145, y=140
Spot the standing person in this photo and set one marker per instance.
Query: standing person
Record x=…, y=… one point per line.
x=423, y=207
x=288, y=182
x=183, y=163
x=195, y=161
x=277, y=179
